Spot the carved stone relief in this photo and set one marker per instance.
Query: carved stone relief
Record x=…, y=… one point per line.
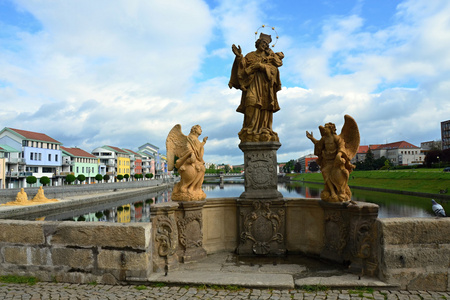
x=263, y=228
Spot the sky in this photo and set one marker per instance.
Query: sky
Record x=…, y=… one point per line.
x=124, y=73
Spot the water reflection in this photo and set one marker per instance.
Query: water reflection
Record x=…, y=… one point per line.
x=137, y=209
x=391, y=205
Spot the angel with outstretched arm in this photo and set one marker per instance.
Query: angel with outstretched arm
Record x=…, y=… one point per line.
x=190, y=164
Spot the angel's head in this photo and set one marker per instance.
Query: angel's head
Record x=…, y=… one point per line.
x=196, y=129
x=329, y=128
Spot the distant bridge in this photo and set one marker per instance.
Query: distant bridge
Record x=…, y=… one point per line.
x=223, y=175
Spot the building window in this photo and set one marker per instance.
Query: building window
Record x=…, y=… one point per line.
x=77, y=169
x=49, y=157
x=56, y=157
x=82, y=169
x=40, y=156
x=31, y=155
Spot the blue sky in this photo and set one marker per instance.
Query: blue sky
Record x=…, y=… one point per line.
x=123, y=73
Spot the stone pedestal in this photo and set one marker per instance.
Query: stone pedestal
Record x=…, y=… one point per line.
x=261, y=208
x=351, y=235
x=190, y=225
x=260, y=162
x=164, y=236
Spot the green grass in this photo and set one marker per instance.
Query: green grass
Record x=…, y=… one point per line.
x=18, y=279
x=314, y=288
x=413, y=180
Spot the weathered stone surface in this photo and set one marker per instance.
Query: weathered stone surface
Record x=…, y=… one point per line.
x=21, y=232
x=304, y=226
x=219, y=225
x=123, y=260
x=41, y=256
x=136, y=236
x=73, y=258
x=396, y=231
x=422, y=255
x=15, y=255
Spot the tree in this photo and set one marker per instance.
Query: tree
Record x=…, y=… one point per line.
x=31, y=180
x=99, y=177
x=70, y=178
x=149, y=175
x=106, y=177
x=136, y=176
x=119, y=177
x=126, y=176
x=81, y=178
x=297, y=167
x=289, y=166
x=44, y=180
x=313, y=166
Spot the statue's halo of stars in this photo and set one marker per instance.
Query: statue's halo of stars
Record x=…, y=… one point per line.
x=260, y=29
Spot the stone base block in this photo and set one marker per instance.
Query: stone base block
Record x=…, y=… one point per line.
x=261, y=227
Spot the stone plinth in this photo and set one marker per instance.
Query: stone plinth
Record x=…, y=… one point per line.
x=260, y=161
x=261, y=208
x=351, y=235
x=190, y=225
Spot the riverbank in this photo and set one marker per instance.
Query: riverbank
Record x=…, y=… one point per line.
x=418, y=182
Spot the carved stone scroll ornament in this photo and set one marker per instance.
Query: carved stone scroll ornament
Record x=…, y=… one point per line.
x=166, y=235
x=336, y=232
x=260, y=169
x=262, y=226
x=189, y=228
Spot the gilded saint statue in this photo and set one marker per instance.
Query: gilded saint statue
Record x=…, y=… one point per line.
x=335, y=153
x=190, y=164
x=256, y=75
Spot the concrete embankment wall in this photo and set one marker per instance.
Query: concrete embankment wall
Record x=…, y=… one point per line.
x=80, y=189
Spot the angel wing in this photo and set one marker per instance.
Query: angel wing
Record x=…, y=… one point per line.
x=176, y=145
x=350, y=135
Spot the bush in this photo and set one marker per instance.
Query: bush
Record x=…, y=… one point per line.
x=81, y=178
x=136, y=176
x=31, y=180
x=119, y=177
x=106, y=178
x=99, y=177
x=126, y=176
x=70, y=178
x=149, y=175
x=44, y=180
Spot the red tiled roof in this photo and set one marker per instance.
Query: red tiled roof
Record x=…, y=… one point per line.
x=132, y=152
x=399, y=145
x=374, y=147
x=29, y=135
x=117, y=149
x=363, y=149
x=78, y=152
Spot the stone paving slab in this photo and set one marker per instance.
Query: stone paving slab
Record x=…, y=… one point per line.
x=282, y=281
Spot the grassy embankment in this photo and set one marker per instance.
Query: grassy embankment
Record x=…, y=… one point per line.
x=413, y=180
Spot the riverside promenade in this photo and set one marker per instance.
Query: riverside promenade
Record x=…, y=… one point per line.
x=45, y=290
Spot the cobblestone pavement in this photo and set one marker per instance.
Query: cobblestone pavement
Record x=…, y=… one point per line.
x=133, y=292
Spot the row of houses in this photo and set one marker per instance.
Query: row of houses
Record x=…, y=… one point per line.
x=26, y=153
x=399, y=154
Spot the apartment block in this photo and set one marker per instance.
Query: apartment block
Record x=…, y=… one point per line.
x=28, y=153
x=77, y=161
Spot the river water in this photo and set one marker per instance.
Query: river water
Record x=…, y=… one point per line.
x=137, y=209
